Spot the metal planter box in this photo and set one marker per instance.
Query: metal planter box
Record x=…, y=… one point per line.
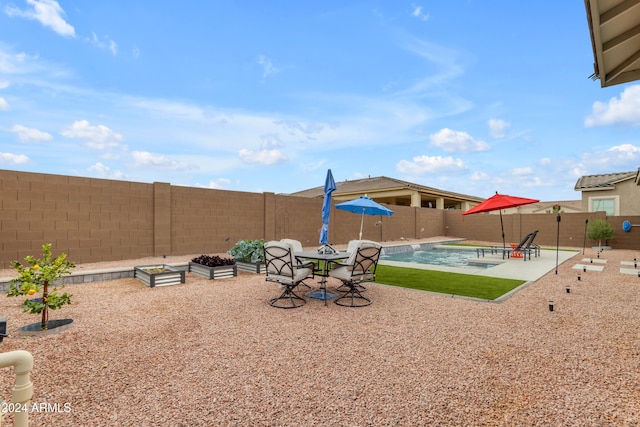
x=251, y=267
x=220, y=272
x=159, y=275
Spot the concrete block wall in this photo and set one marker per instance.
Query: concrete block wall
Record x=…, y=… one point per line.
x=516, y=226
x=203, y=219
x=299, y=218
x=89, y=219
x=104, y=220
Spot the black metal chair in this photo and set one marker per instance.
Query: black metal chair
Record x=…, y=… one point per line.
x=281, y=267
x=359, y=268
x=296, y=246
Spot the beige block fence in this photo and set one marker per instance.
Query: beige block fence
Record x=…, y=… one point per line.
x=96, y=220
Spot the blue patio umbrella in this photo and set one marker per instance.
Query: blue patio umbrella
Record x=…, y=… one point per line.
x=365, y=206
x=329, y=187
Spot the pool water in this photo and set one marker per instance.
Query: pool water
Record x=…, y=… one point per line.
x=437, y=256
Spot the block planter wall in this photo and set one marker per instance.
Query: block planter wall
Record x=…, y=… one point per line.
x=220, y=272
x=159, y=275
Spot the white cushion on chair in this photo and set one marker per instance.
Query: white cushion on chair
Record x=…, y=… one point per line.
x=294, y=244
x=345, y=271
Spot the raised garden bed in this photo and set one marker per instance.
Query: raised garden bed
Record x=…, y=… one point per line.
x=159, y=275
x=249, y=255
x=251, y=267
x=219, y=272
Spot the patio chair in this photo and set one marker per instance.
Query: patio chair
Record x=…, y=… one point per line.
x=296, y=246
x=526, y=246
x=281, y=267
x=508, y=252
x=352, y=247
x=360, y=267
x=530, y=246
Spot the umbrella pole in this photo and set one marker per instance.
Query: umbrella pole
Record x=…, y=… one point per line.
x=361, y=223
x=504, y=245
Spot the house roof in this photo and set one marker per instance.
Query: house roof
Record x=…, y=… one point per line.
x=604, y=181
x=614, y=27
x=382, y=183
x=566, y=205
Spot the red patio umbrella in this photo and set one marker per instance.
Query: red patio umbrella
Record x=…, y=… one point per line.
x=498, y=202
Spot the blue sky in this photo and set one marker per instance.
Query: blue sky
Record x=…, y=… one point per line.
x=463, y=95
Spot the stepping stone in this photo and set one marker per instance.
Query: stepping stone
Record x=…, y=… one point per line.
x=590, y=267
x=595, y=261
x=632, y=271
x=628, y=263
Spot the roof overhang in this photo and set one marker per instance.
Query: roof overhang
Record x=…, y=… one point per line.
x=614, y=26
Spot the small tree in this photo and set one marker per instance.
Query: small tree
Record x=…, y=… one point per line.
x=39, y=274
x=599, y=229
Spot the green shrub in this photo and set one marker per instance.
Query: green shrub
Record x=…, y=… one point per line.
x=248, y=251
x=599, y=229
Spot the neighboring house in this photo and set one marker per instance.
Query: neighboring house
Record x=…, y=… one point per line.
x=395, y=192
x=560, y=206
x=614, y=193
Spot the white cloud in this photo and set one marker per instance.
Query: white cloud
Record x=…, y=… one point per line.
x=47, y=12
x=498, y=128
x=480, y=176
x=267, y=66
x=263, y=157
x=104, y=171
x=98, y=137
x=219, y=183
x=270, y=142
x=624, y=157
x=418, y=13
x=522, y=171
x=626, y=150
x=4, y=84
x=430, y=164
x=453, y=141
x=30, y=135
x=625, y=109
x=625, y=154
x=103, y=43
x=144, y=158
x=13, y=159
x=4, y=105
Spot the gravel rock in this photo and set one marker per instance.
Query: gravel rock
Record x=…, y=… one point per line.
x=211, y=353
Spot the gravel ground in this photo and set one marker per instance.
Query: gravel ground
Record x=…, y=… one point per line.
x=214, y=353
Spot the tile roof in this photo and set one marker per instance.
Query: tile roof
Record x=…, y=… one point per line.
x=602, y=181
x=361, y=186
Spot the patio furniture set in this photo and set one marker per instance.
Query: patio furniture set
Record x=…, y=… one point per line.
x=289, y=266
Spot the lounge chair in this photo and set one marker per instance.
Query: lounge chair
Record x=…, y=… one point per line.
x=360, y=267
x=506, y=252
x=531, y=246
x=526, y=246
x=281, y=267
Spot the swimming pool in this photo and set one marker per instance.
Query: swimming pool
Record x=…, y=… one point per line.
x=435, y=255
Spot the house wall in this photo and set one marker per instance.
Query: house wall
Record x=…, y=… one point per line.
x=105, y=220
x=629, y=197
x=627, y=193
